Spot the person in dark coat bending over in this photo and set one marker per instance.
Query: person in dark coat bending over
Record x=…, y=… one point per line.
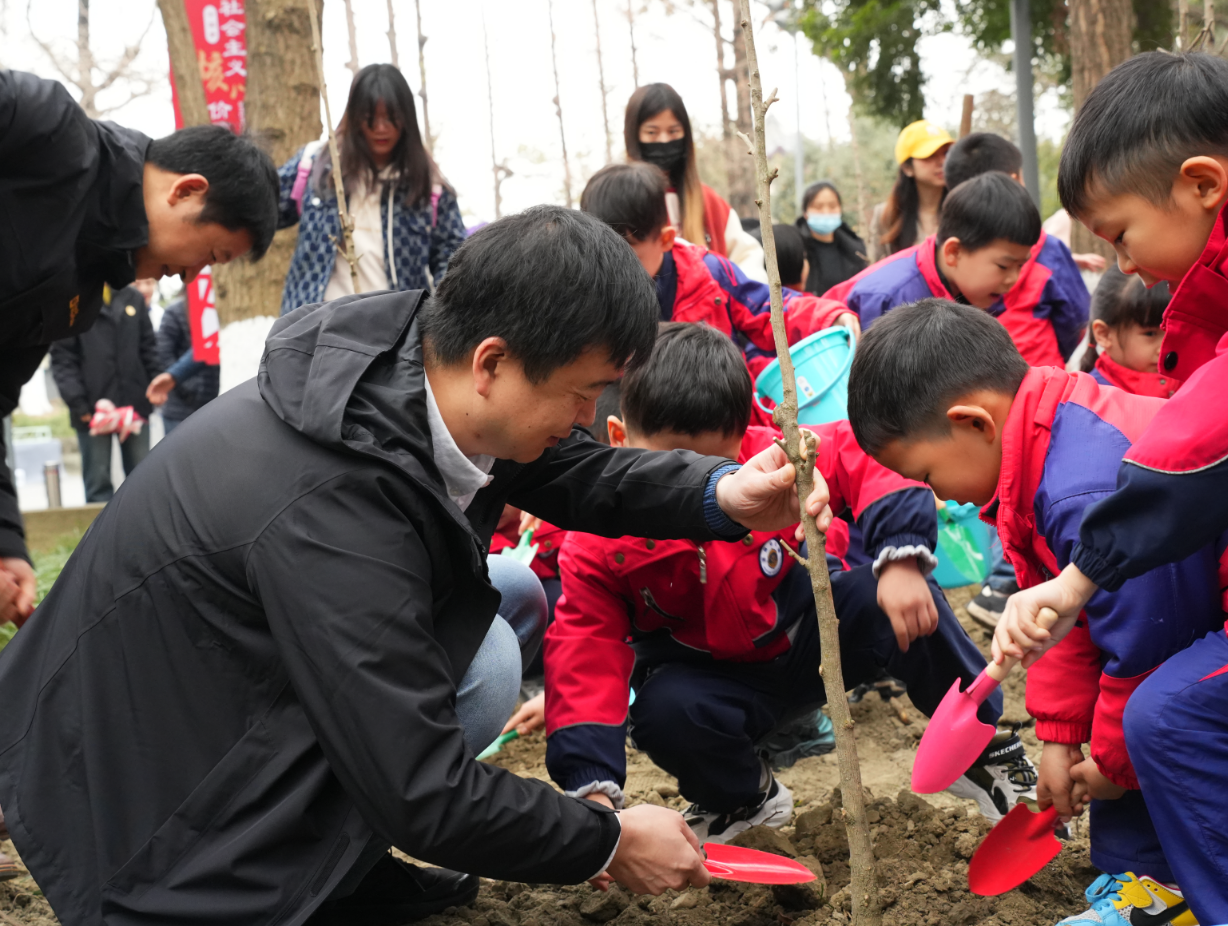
x=278, y=649
x=86, y=203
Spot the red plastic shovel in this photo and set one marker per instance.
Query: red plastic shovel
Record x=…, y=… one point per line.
x=733, y=863
x=955, y=738
x=1019, y=846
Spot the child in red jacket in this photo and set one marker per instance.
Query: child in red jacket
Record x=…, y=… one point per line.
x=1124, y=337
x=719, y=640
x=1146, y=168
x=694, y=284
x=938, y=392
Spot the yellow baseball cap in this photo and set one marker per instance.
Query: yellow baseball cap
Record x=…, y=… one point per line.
x=920, y=140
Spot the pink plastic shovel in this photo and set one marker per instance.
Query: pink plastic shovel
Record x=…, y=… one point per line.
x=734, y=863
x=955, y=738
x=1019, y=846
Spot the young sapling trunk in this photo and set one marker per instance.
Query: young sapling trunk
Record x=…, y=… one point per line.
x=867, y=909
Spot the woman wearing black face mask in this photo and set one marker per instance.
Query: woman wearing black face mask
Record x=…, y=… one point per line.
x=658, y=130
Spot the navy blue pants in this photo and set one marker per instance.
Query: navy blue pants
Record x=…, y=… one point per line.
x=1177, y=732
x=699, y=720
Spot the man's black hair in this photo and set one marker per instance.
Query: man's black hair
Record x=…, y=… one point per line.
x=1141, y=122
x=790, y=253
x=630, y=198
x=552, y=283
x=243, y=189
x=979, y=153
x=694, y=382
x=919, y=358
x=986, y=209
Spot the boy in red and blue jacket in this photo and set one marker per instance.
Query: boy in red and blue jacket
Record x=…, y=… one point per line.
x=720, y=639
x=938, y=392
x=694, y=284
x=1146, y=168
x=989, y=252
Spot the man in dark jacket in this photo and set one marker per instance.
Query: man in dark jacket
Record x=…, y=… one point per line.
x=174, y=340
x=86, y=203
x=115, y=360
x=244, y=686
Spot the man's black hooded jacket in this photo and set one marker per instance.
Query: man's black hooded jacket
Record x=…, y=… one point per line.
x=250, y=663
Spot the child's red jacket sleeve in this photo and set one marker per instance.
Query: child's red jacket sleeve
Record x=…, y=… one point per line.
x=588, y=670
x=1063, y=687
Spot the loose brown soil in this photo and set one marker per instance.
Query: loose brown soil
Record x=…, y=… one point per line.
x=922, y=847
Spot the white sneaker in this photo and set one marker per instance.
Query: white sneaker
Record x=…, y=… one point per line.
x=775, y=809
x=1002, y=776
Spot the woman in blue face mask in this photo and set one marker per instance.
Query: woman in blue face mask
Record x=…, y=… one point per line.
x=833, y=250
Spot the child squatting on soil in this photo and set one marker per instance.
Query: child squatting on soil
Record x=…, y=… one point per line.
x=1146, y=168
x=939, y=393
x=1124, y=337
x=719, y=640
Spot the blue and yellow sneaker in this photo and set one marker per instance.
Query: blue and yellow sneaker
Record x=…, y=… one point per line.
x=1129, y=900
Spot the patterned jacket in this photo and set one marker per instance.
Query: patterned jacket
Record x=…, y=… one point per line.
x=414, y=240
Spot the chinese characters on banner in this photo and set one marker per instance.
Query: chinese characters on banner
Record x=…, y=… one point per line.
x=219, y=30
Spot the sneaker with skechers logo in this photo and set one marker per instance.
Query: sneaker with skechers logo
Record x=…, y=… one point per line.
x=999, y=779
x=1128, y=899
x=774, y=809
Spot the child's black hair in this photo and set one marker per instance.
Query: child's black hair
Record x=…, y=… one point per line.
x=630, y=198
x=919, y=358
x=243, y=186
x=986, y=209
x=1121, y=299
x=552, y=283
x=790, y=253
x=1140, y=123
x=608, y=403
x=979, y=153
x=694, y=382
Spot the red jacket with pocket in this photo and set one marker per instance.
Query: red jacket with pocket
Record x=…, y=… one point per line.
x=549, y=540
x=661, y=598
x=1061, y=446
x=1108, y=372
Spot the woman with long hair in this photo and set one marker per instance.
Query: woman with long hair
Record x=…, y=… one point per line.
x=910, y=213
x=657, y=129
x=833, y=250
x=406, y=219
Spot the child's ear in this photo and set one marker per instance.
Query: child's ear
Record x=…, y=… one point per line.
x=1207, y=177
x=973, y=418
x=669, y=235
x=617, y=431
x=1102, y=333
x=949, y=250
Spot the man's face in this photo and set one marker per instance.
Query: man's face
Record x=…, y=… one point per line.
x=522, y=419
x=1158, y=242
x=985, y=275
x=178, y=242
x=961, y=465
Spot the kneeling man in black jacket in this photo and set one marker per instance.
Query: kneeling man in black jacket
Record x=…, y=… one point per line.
x=277, y=650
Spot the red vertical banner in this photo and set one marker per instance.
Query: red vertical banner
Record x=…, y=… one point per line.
x=219, y=30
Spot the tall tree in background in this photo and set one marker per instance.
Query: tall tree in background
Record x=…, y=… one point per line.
x=352, y=64
x=739, y=169
x=635, y=64
x=742, y=183
x=282, y=107
x=392, y=37
x=499, y=169
x=605, y=114
x=89, y=75
x=558, y=106
x=427, y=137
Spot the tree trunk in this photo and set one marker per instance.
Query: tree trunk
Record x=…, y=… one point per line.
x=635, y=65
x=283, y=113
x=352, y=64
x=428, y=139
x=392, y=37
x=184, y=67
x=742, y=180
x=1101, y=32
x=558, y=107
x=85, y=60
x=734, y=155
x=605, y=114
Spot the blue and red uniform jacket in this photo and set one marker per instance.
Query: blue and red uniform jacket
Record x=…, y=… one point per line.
x=664, y=599
x=1108, y=372
x=1172, y=495
x=1061, y=446
x=696, y=285
x=1045, y=311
